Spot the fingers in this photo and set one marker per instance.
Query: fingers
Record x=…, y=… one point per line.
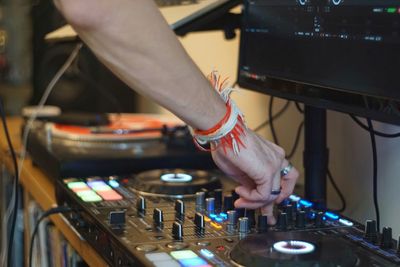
x=288, y=183
x=268, y=210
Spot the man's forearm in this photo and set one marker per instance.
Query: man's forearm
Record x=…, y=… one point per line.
x=135, y=42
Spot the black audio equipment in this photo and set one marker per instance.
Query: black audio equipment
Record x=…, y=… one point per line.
x=130, y=144
x=186, y=218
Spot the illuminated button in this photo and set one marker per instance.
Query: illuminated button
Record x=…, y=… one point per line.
x=206, y=253
x=219, y=219
x=113, y=183
x=294, y=198
x=207, y=219
x=224, y=215
x=110, y=196
x=331, y=216
x=162, y=256
x=183, y=254
x=305, y=203
x=212, y=216
x=77, y=185
x=86, y=193
x=80, y=189
x=221, y=248
x=346, y=222
x=192, y=262
x=216, y=225
x=91, y=198
x=391, y=10
x=170, y=263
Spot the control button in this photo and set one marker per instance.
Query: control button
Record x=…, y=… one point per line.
x=210, y=205
x=177, y=231
x=243, y=225
x=200, y=199
x=288, y=209
x=170, y=263
x=199, y=220
x=229, y=240
x=158, y=217
x=179, y=207
x=319, y=219
x=146, y=248
x=193, y=262
x=177, y=245
x=346, y=222
x=216, y=226
x=203, y=243
x=207, y=219
x=282, y=221
x=386, y=241
x=301, y=219
x=228, y=203
x=206, y=253
x=183, y=254
x=262, y=224
x=162, y=256
x=371, y=231
x=141, y=204
x=116, y=217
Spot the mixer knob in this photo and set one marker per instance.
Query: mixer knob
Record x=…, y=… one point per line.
x=319, y=219
x=218, y=199
x=371, y=232
x=199, y=220
x=180, y=207
x=240, y=212
x=232, y=217
x=210, y=205
x=200, y=199
x=228, y=203
x=288, y=209
x=243, y=225
x=282, y=221
x=177, y=231
x=158, y=217
x=301, y=219
x=251, y=214
x=386, y=241
x=262, y=224
x=141, y=204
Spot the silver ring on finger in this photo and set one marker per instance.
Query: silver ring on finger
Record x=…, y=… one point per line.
x=285, y=171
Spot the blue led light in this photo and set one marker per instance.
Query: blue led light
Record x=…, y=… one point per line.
x=113, y=183
x=212, y=216
x=219, y=219
x=192, y=262
x=331, y=216
x=206, y=253
x=305, y=203
x=224, y=215
x=294, y=198
x=311, y=215
x=346, y=222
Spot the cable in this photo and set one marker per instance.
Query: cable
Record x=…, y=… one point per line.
x=365, y=127
x=16, y=182
x=297, y=140
x=42, y=217
x=339, y=193
x=375, y=172
x=299, y=108
x=274, y=117
x=271, y=121
x=6, y=249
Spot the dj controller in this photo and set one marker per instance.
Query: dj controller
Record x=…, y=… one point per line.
x=176, y=217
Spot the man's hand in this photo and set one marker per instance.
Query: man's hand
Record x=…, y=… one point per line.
x=257, y=168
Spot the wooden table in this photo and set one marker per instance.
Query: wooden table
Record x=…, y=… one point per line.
x=41, y=188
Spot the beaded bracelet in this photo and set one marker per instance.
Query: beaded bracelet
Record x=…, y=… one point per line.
x=228, y=132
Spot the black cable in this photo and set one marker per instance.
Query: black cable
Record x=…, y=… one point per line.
x=339, y=193
x=299, y=108
x=16, y=182
x=271, y=121
x=375, y=172
x=297, y=141
x=274, y=117
x=42, y=217
x=381, y=134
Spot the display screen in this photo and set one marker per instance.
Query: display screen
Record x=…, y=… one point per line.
x=348, y=46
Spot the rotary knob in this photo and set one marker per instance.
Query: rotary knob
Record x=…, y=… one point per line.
x=386, y=241
x=218, y=199
x=232, y=217
x=228, y=203
x=199, y=220
x=200, y=199
x=243, y=225
x=282, y=221
x=301, y=219
x=179, y=207
x=371, y=231
x=319, y=219
x=262, y=224
x=210, y=205
x=289, y=209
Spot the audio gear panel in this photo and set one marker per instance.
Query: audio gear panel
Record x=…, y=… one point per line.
x=176, y=217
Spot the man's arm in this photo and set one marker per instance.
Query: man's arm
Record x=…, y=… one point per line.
x=135, y=42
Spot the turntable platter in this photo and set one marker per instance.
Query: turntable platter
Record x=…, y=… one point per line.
x=175, y=182
x=294, y=249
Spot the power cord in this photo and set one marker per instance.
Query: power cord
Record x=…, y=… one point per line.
x=296, y=141
x=339, y=193
x=16, y=183
x=42, y=217
x=375, y=172
x=274, y=117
